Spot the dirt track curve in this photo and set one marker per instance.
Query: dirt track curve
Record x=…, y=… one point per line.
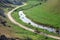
x=24, y=27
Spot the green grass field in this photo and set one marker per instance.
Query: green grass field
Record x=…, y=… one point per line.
x=16, y=17
x=48, y=13
x=24, y=34
x=42, y=14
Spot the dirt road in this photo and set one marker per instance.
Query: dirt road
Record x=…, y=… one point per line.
x=24, y=27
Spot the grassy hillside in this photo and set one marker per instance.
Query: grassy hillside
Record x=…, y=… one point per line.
x=39, y=14
x=14, y=31
x=47, y=13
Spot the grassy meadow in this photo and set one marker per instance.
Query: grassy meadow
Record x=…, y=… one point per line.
x=25, y=34
x=46, y=13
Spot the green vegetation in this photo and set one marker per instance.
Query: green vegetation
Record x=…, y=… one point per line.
x=40, y=12
x=24, y=34
x=16, y=17
x=16, y=31
x=47, y=13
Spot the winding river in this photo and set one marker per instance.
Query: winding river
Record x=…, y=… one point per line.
x=27, y=20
